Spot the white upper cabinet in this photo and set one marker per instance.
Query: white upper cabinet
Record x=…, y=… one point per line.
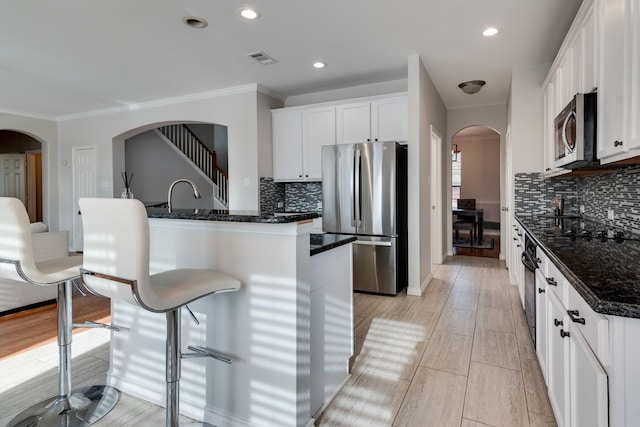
x=610, y=92
x=574, y=71
x=353, y=122
x=319, y=128
x=300, y=132
x=376, y=120
x=287, y=145
x=298, y=136
x=389, y=119
x=632, y=79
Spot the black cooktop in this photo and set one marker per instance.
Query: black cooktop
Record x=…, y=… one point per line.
x=602, y=263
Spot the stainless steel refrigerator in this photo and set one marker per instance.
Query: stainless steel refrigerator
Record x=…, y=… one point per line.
x=364, y=193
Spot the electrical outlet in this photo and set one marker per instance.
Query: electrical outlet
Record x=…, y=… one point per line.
x=319, y=206
x=610, y=214
x=280, y=204
x=581, y=209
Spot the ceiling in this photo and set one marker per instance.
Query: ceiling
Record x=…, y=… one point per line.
x=65, y=57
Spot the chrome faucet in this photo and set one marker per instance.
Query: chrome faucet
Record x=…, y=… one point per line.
x=196, y=192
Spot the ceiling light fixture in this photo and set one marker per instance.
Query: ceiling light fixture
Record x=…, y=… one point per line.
x=248, y=13
x=195, y=22
x=472, y=86
x=319, y=64
x=490, y=31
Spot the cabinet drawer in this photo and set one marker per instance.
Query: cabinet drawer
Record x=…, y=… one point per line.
x=593, y=326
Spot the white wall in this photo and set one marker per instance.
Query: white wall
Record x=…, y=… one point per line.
x=235, y=108
x=265, y=133
x=526, y=115
x=425, y=109
x=44, y=131
x=148, y=155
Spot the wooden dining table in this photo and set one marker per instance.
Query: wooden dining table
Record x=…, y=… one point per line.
x=478, y=213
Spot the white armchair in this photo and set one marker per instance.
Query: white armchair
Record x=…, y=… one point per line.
x=17, y=295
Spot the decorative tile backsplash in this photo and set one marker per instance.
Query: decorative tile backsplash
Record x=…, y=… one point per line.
x=617, y=190
x=534, y=195
x=294, y=196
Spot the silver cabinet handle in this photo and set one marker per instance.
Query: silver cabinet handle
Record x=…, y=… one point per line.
x=371, y=243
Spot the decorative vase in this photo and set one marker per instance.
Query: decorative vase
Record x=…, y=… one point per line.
x=126, y=194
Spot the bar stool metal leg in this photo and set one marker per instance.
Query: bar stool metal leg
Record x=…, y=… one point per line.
x=80, y=407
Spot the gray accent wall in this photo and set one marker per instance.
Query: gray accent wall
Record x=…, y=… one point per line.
x=155, y=166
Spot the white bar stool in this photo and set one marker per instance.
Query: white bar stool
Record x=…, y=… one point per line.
x=116, y=265
x=79, y=407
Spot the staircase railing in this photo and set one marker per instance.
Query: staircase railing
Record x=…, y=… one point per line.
x=200, y=155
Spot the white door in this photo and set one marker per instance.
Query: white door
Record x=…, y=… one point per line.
x=84, y=185
x=13, y=176
x=436, y=196
x=558, y=351
x=287, y=145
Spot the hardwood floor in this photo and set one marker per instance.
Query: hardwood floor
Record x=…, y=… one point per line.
x=460, y=355
x=29, y=329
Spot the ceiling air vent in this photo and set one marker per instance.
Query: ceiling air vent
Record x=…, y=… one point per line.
x=262, y=58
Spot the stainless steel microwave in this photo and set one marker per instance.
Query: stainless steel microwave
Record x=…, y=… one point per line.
x=575, y=133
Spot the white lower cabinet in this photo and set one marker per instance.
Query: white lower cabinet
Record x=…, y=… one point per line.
x=577, y=382
x=541, y=322
x=588, y=384
x=558, y=360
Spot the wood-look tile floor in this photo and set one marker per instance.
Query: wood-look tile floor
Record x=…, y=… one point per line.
x=459, y=355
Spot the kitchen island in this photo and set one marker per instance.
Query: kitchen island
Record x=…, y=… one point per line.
x=273, y=328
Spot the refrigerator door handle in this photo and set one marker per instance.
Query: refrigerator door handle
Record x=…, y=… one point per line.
x=356, y=199
x=371, y=243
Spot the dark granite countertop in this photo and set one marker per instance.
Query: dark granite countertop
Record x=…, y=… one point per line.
x=604, y=271
x=154, y=211
x=323, y=242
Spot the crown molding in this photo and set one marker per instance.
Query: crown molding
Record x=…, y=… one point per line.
x=253, y=87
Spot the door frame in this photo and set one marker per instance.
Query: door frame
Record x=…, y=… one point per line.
x=436, y=196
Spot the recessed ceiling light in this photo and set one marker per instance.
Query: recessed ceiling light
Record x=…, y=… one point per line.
x=195, y=22
x=319, y=64
x=248, y=13
x=491, y=31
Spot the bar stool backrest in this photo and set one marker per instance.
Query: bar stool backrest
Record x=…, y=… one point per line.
x=15, y=239
x=116, y=246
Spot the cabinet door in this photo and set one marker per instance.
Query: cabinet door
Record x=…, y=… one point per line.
x=589, y=391
x=589, y=58
x=541, y=322
x=319, y=127
x=632, y=107
x=287, y=145
x=611, y=92
x=389, y=120
x=353, y=123
x=558, y=351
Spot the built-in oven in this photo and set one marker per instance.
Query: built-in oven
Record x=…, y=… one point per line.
x=530, y=265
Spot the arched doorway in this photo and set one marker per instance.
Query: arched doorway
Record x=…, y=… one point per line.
x=475, y=186
x=21, y=171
